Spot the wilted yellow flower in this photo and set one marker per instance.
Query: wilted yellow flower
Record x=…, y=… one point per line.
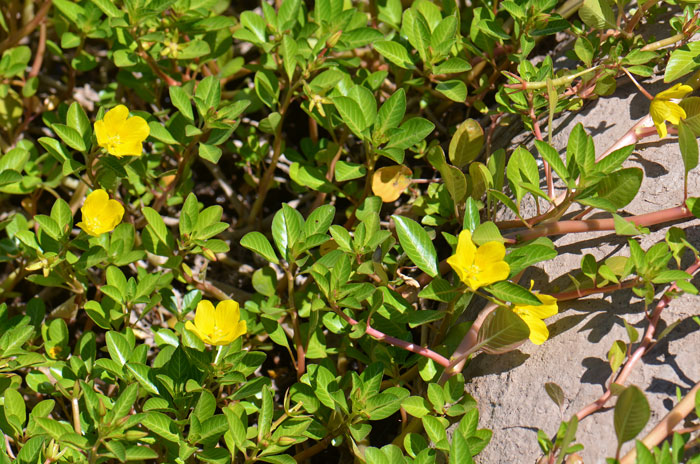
x=219, y=326
x=662, y=109
x=533, y=316
x=100, y=214
x=121, y=136
x=479, y=267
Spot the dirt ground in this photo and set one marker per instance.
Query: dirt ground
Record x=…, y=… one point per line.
x=510, y=388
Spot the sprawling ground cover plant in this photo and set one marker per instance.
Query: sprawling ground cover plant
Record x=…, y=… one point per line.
x=262, y=233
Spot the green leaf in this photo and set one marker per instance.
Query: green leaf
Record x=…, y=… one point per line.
x=142, y=373
x=452, y=65
x=265, y=415
x=513, y=293
x=61, y=213
x=267, y=87
x=390, y=113
x=10, y=176
x=181, y=101
x=255, y=24
x=644, y=456
x=416, y=406
x=466, y=143
x=365, y=100
x=616, y=355
x=70, y=136
x=502, y=331
x=471, y=215
x=194, y=49
x=671, y=275
x=159, y=132
x=620, y=187
x=319, y=220
x=417, y=244
x=209, y=152
x=691, y=105
x=454, y=89
x=156, y=222
x=287, y=230
x=78, y=120
x=126, y=400
x=394, y=52
x=682, y=61
x=108, y=8
x=555, y=393
x=189, y=215
x=49, y=226
x=550, y=155
x=118, y=347
x=161, y=425
x=688, y=144
x=209, y=92
x=625, y=227
x=410, y=133
x=597, y=14
x=14, y=406
x=631, y=414
x=351, y=113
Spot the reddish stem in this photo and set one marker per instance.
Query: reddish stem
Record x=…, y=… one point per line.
x=566, y=227
x=381, y=336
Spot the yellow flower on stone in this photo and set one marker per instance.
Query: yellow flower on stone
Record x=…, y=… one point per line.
x=219, y=326
x=479, y=267
x=533, y=316
x=121, y=136
x=100, y=214
x=663, y=109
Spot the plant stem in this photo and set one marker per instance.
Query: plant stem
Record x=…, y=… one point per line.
x=381, y=336
x=268, y=175
x=567, y=227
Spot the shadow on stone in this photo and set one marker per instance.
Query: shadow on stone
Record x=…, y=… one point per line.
x=597, y=371
x=485, y=364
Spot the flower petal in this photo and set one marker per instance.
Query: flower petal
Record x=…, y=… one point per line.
x=102, y=133
x=111, y=215
x=661, y=129
x=116, y=117
x=488, y=253
x=675, y=113
x=135, y=129
x=128, y=149
x=205, y=317
x=193, y=328
x=463, y=258
x=227, y=315
x=494, y=272
x=538, y=329
x=466, y=248
x=677, y=91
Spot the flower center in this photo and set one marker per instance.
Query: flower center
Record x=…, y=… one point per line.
x=113, y=142
x=216, y=334
x=473, y=271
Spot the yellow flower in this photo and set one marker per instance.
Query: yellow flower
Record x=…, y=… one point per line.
x=479, y=267
x=533, y=316
x=218, y=326
x=662, y=109
x=121, y=136
x=100, y=214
